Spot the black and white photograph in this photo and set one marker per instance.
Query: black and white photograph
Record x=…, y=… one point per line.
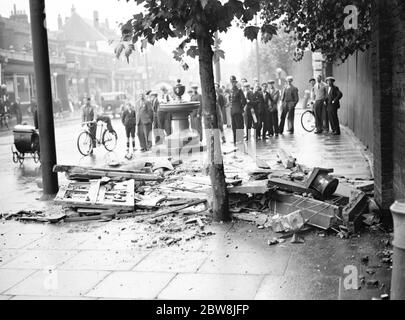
x=215, y=152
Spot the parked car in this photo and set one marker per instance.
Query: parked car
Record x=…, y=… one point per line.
x=113, y=102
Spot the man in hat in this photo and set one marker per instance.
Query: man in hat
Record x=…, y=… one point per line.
x=274, y=98
x=88, y=115
x=319, y=97
x=128, y=118
x=264, y=111
x=333, y=104
x=289, y=99
x=158, y=118
x=250, y=114
x=196, y=114
x=144, y=119
x=221, y=101
x=221, y=113
x=260, y=111
x=238, y=101
x=165, y=117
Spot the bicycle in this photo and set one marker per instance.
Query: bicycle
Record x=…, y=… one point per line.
x=308, y=120
x=106, y=138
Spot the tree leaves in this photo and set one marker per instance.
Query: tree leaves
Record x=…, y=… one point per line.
x=251, y=32
x=319, y=25
x=192, y=51
x=118, y=50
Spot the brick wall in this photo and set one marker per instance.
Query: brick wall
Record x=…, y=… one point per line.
x=388, y=65
x=373, y=106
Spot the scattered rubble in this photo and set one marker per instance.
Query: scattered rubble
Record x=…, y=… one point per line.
x=285, y=198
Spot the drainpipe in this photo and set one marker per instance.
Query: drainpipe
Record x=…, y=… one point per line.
x=398, y=266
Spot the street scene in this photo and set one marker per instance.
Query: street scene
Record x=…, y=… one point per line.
x=204, y=150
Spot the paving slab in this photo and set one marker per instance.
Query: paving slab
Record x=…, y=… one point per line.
x=212, y=287
x=274, y=261
x=6, y=255
x=59, y=241
x=132, y=285
x=112, y=260
x=40, y=259
x=15, y=240
x=10, y=277
x=172, y=261
x=58, y=283
x=298, y=288
x=108, y=242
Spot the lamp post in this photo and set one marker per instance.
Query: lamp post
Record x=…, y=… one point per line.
x=44, y=97
x=398, y=266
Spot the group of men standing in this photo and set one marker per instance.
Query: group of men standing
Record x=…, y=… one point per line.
x=257, y=108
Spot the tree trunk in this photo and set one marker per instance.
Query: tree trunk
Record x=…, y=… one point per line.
x=220, y=205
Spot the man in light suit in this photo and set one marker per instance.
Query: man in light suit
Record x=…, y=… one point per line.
x=333, y=104
x=289, y=99
x=319, y=96
x=144, y=119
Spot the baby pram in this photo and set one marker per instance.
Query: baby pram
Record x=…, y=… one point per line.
x=26, y=144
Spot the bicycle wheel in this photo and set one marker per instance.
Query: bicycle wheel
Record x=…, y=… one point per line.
x=308, y=121
x=85, y=143
x=109, y=140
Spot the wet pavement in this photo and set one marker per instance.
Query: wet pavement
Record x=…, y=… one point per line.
x=98, y=260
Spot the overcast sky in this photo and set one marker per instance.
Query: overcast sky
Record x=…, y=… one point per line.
x=234, y=44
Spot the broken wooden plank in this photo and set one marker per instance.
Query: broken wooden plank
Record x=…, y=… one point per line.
x=293, y=187
x=150, y=201
x=93, y=194
x=252, y=187
x=89, y=173
x=365, y=186
x=196, y=220
x=286, y=159
x=262, y=164
x=176, y=209
x=206, y=181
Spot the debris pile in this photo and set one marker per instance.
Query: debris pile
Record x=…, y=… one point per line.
x=323, y=201
x=287, y=199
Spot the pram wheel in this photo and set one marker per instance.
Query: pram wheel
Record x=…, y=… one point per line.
x=36, y=156
x=15, y=157
x=21, y=158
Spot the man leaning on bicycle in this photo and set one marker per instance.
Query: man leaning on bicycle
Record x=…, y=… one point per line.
x=91, y=112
